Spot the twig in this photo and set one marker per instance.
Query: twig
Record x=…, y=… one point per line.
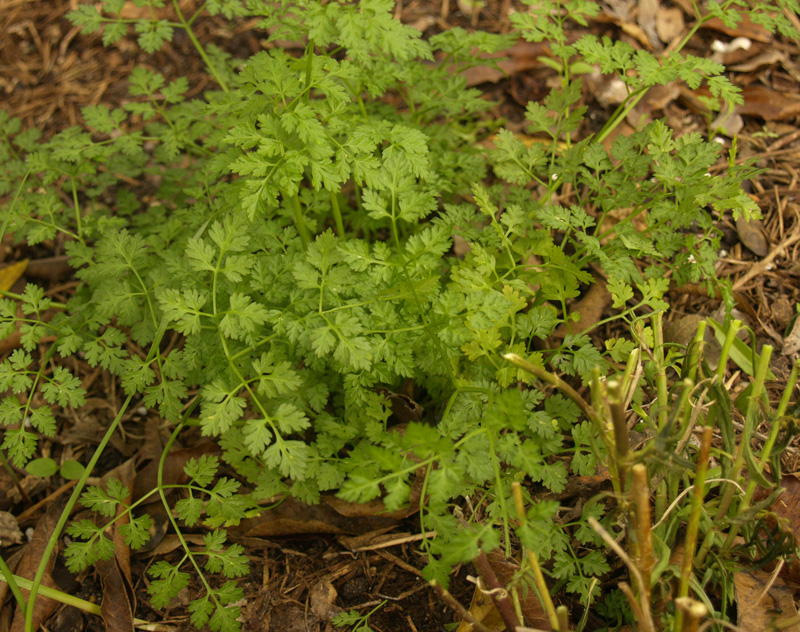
x=497, y=592
x=646, y=619
x=453, y=604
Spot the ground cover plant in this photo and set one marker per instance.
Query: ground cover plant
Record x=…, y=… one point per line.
x=273, y=263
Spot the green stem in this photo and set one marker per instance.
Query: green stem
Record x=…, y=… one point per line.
x=170, y=513
x=299, y=222
x=62, y=521
x=554, y=380
x=694, y=521
x=14, y=583
x=750, y=426
x=730, y=336
x=61, y=597
x=633, y=100
x=337, y=214
x=533, y=560
x=199, y=47
x=662, y=388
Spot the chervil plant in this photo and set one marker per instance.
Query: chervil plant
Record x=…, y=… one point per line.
x=283, y=246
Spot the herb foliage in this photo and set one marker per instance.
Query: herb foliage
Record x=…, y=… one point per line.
x=283, y=246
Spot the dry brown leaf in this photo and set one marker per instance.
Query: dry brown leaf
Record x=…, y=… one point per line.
x=520, y=57
x=531, y=607
x=769, y=57
x=117, y=605
x=9, y=530
x=745, y=28
x=173, y=474
x=628, y=27
x=322, y=597
x=768, y=104
x=293, y=517
x=682, y=331
x=119, y=600
x=590, y=307
x=791, y=344
x=646, y=17
x=753, y=236
x=483, y=611
x=43, y=607
x=50, y=268
x=762, y=606
x=378, y=539
x=172, y=542
x=669, y=23
x=11, y=274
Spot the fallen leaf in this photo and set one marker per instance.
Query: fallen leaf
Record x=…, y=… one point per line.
x=745, y=28
x=50, y=268
x=11, y=274
x=483, y=611
x=9, y=530
x=682, y=331
x=761, y=609
x=791, y=344
x=769, y=57
x=532, y=609
x=590, y=307
x=293, y=517
x=628, y=27
x=117, y=605
x=728, y=122
x=753, y=236
x=669, y=23
x=172, y=542
x=646, y=17
x=173, y=474
x=768, y=104
x=43, y=606
x=322, y=597
x=119, y=600
x=520, y=57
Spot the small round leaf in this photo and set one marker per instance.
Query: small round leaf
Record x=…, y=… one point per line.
x=42, y=467
x=72, y=470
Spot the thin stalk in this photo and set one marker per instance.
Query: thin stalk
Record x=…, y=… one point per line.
x=693, y=527
x=696, y=351
x=622, y=441
x=563, y=619
x=533, y=560
x=730, y=336
x=299, y=222
x=556, y=381
x=497, y=591
x=14, y=584
x=787, y=392
x=694, y=611
x=62, y=521
x=750, y=426
x=199, y=47
x=644, y=615
x=10, y=470
x=65, y=598
x=337, y=214
x=627, y=107
x=456, y=607
x=662, y=390
x=644, y=535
